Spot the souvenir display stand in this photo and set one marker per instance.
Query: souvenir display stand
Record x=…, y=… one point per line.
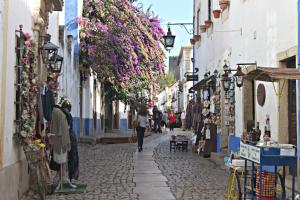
x=275, y=155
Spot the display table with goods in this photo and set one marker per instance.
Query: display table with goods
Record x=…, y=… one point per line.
x=258, y=165
x=178, y=142
x=268, y=155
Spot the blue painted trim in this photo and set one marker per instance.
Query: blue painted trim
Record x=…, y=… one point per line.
x=71, y=14
x=233, y=143
x=298, y=131
x=218, y=142
x=88, y=127
x=123, y=124
x=76, y=126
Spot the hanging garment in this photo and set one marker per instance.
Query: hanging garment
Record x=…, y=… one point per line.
x=48, y=102
x=60, y=129
x=73, y=162
x=73, y=158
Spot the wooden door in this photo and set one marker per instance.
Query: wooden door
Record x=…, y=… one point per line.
x=292, y=106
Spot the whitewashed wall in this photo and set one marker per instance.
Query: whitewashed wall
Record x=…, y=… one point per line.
x=162, y=97
x=254, y=30
x=24, y=16
x=185, y=65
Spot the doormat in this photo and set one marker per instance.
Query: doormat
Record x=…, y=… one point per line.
x=67, y=189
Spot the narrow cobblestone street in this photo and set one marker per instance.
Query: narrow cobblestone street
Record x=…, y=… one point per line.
x=118, y=171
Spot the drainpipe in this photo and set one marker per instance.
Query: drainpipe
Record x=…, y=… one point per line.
x=298, y=129
x=193, y=45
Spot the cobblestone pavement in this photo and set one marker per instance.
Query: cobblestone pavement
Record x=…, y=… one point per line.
x=108, y=172
x=191, y=176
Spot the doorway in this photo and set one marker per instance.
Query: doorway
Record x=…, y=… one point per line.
x=292, y=104
x=248, y=101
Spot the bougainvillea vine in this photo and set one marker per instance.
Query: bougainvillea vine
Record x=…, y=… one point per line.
x=122, y=44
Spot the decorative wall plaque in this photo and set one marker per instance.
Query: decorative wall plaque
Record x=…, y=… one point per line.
x=261, y=94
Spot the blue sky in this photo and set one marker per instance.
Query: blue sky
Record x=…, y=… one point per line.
x=173, y=11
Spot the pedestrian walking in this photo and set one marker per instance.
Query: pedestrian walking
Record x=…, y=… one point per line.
x=182, y=116
x=172, y=120
x=142, y=122
x=156, y=119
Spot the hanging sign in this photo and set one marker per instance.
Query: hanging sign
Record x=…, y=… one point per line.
x=192, y=77
x=250, y=152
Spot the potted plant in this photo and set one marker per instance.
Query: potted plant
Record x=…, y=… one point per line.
x=197, y=38
x=192, y=40
x=224, y=4
x=202, y=28
x=217, y=13
x=208, y=23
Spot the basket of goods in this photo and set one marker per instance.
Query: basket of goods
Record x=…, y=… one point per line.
x=34, y=152
x=268, y=185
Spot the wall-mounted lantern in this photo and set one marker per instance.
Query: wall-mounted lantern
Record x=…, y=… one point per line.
x=226, y=81
x=238, y=76
x=56, y=67
x=49, y=51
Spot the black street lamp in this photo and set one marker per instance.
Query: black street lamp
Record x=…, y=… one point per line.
x=226, y=81
x=239, y=77
x=169, y=40
x=56, y=67
x=49, y=51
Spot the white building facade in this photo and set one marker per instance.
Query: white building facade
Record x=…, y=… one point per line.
x=186, y=68
x=34, y=17
x=248, y=32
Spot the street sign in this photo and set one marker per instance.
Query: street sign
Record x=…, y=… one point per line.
x=192, y=77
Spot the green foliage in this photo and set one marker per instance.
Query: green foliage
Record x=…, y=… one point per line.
x=170, y=79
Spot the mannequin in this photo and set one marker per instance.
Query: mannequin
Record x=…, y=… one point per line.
x=60, y=141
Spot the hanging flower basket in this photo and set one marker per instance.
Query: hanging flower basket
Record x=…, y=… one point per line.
x=217, y=13
x=224, y=4
x=208, y=23
x=192, y=40
x=197, y=38
x=202, y=28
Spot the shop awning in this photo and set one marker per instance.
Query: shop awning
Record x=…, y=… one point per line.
x=271, y=74
x=201, y=84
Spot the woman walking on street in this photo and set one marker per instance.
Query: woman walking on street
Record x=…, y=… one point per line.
x=142, y=122
x=172, y=120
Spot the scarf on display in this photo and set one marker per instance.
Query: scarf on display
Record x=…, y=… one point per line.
x=60, y=129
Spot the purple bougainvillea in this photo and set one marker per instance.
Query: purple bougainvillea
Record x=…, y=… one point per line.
x=121, y=43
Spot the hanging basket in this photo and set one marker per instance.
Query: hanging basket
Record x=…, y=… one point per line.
x=202, y=28
x=217, y=13
x=224, y=4
x=197, y=38
x=208, y=23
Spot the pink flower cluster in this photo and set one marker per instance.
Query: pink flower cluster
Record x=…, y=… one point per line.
x=29, y=89
x=121, y=42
